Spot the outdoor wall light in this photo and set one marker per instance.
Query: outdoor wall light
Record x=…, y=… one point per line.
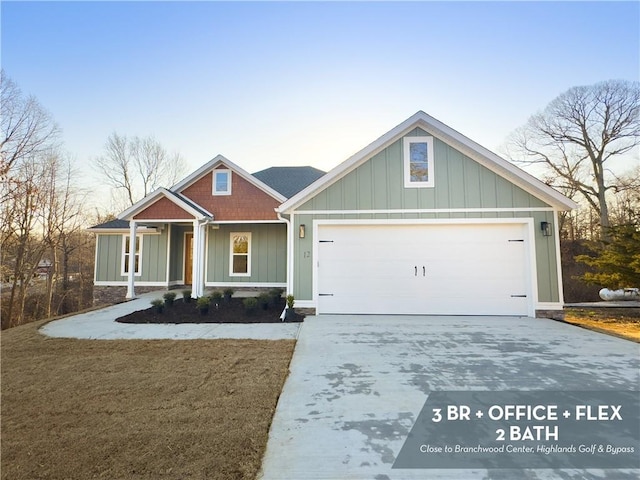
x=301, y=231
x=546, y=228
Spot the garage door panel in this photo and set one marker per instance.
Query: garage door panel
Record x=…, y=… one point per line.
x=422, y=269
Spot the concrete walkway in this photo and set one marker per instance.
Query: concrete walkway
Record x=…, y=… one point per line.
x=357, y=384
x=100, y=324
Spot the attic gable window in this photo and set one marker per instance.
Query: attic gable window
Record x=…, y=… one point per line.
x=418, y=162
x=222, y=182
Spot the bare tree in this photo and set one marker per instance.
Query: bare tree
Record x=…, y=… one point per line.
x=576, y=137
x=137, y=166
x=39, y=205
x=22, y=249
x=62, y=219
x=27, y=129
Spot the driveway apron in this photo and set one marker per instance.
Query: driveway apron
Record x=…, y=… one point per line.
x=357, y=385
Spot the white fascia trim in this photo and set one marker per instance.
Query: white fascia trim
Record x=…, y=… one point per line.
x=440, y=130
x=418, y=221
x=246, y=284
x=106, y=283
x=232, y=222
x=424, y=210
x=221, y=160
x=120, y=231
x=176, y=282
x=166, y=220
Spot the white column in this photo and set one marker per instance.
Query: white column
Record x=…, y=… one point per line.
x=197, y=289
x=131, y=291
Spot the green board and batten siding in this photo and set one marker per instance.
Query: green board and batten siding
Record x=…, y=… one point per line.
x=460, y=183
x=109, y=258
x=268, y=254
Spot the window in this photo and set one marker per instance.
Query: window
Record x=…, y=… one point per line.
x=126, y=255
x=222, y=182
x=240, y=264
x=418, y=162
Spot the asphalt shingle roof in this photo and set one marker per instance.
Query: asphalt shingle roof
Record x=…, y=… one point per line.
x=285, y=180
x=289, y=180
x=117, y=223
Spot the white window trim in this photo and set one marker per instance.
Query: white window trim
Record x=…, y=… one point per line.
x=231, y=254
x=213, y=186
x=125, y=254
x=407, y=141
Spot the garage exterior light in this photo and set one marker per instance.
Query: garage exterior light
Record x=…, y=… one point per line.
x=546, y=228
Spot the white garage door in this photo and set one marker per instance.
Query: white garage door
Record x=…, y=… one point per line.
x=443, y=269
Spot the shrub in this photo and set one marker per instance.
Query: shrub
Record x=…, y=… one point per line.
x=228, y=293
x=290, y=301
x=263, y=300
x=216, y=297
x=276, y=294
x=158, y=304
x=250, y=304
x=186, y=296
x=169, y=297
x=203, y=304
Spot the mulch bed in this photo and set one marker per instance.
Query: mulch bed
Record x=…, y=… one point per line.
x=232, y=311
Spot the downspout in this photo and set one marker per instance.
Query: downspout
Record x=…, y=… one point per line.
x=289, y=259
x=289, y=252
x=199, y=240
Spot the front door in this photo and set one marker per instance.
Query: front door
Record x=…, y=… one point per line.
x=188, y=258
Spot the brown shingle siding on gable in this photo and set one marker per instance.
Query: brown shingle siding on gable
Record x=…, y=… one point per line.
x=246, y=202
x=163, y=209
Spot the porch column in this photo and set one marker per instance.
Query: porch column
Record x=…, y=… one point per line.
x=131, y=292
x=197, y=288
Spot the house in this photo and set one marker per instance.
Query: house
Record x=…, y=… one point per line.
x=421, y=221
x=216, y=228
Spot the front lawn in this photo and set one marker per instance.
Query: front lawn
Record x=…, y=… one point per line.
x=133, y=409
x=623, y=322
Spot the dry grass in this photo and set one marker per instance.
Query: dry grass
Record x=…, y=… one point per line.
x=622, y=322
x=83, y=409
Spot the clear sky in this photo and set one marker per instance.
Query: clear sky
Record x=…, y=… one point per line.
x=304, y=83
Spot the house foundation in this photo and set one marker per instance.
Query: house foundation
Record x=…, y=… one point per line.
x=551, y=314
x=116, y=294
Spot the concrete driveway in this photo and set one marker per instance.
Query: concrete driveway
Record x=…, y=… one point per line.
x=357, y=384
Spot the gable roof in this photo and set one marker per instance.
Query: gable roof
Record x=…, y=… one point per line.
x=221, y=160
x=289, y=180
x=434, y=127
x=181, y=201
